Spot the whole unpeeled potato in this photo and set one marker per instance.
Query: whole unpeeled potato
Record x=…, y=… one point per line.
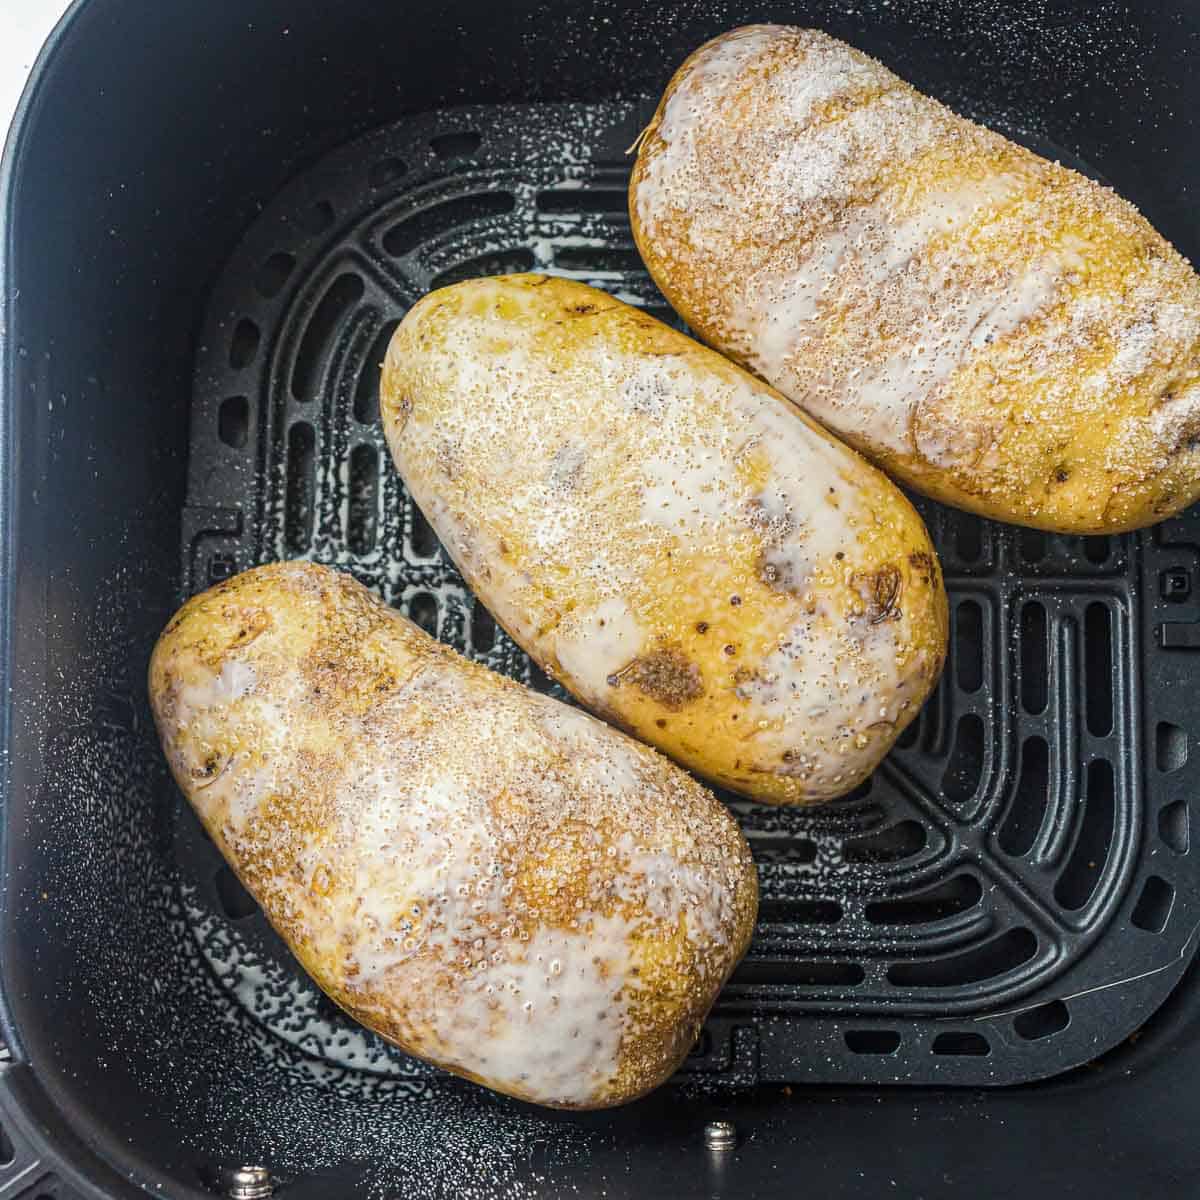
x=665, y=534
x=987, y=326
x=492, y=880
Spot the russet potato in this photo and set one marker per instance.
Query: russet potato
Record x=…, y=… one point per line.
x=987, y=326
x=666, y=535
x=491, y=879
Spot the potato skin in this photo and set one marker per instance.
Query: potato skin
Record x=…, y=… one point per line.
x=987, y=326
x=490, y=879
x=666, y=535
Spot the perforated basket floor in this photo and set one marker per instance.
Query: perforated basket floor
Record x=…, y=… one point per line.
x=1012, y=893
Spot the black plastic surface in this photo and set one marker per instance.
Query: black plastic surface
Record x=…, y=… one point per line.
x=151, y=137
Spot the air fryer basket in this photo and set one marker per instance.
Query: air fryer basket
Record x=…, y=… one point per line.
x=203, y=263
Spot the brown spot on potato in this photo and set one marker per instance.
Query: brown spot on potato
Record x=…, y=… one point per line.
x=210, y=770
x=403, y=412
x=779, y=576
x=446, y=456
x=701, y=626
x=666, y=675
x=251, y=623
x=881, y=590
x=924, y=565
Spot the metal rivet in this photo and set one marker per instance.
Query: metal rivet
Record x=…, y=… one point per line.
x=246, y=1183
x=720, y=1135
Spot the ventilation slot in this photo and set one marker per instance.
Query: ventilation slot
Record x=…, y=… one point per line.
x=783, y=848
x=1097, y=641
x=316, y=218
x=579, y=200
x=422, y=539
x=1042, y=1021
x=855, y=794
x=1033, y=545
x=1035, y=657
x=947, y=899
x=602, y=260
x=931, y=718
x=244, y=344
x=1082, y=872
x=366, y=391
x=455, y=145
x=668, y=316
x=364, y=489
x=968, y=539
x=538, y=679
x=893, y=844
x=334, y=307
x=220, y=568
x=233, y=421
x=909, y=734
x=1096, y=549
x=423, y=611
x=429, y=223
x=1024, y=819
x=872, y=1041
x=1153, y=908
x=965, y=768
x=1171, y=746
x=503, y=262
x=996, y=957
x=273, y=274
x=483, y=629
x=386, y=172
x=300, y=502
x=955, y=1042
x=799, y=912
x=1174, y=823
x=799, y=974
x=236, y=903
x=968, y=645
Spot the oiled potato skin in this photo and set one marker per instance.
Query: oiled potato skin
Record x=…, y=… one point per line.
x=486, y=877
x=990, y=327
x=666, y=535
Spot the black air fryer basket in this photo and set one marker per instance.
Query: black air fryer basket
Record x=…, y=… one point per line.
x=974, y=973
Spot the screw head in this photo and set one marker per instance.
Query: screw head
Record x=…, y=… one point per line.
x=246, y=1183
x=720, y=1135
